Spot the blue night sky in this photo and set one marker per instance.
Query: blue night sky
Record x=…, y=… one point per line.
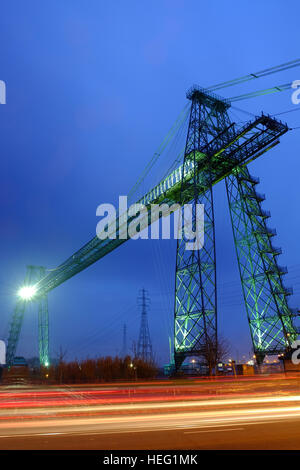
x=92, y=89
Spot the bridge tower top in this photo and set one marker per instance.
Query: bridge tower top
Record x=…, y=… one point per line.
x=209, y=99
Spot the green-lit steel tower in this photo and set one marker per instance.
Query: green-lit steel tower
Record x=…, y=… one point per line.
x=211, y=133
x=195, y=286
x=269, y=315
x=33, y=275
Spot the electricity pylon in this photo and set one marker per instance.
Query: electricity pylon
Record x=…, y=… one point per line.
x=144, y=347
x=269, y=315
x=33, y=275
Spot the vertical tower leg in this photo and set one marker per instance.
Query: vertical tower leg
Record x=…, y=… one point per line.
x=43, y=322
x=195, y=293
x=14, y=332
x=16, y=323
x=43, y=326
x=269, y=316
x=33, y=274
x=195, y=321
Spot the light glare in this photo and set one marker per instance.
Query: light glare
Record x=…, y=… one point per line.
x=27, y=292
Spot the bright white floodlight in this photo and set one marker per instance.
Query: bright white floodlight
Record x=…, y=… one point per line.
x=27, y=292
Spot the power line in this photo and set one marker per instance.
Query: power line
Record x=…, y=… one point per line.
x=252, y=76
x=266, y=91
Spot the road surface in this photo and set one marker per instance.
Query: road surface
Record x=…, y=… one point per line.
x=262, y=414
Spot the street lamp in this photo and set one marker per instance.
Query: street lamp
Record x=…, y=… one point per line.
x=131, y=365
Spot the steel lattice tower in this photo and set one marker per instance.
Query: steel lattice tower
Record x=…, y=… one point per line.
x=33, y=274
x=144, y=347
x=269, y=315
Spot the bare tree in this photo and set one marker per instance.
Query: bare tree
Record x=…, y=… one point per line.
x=214, y=352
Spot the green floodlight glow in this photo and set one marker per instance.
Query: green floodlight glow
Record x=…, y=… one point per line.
x=27, y=292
